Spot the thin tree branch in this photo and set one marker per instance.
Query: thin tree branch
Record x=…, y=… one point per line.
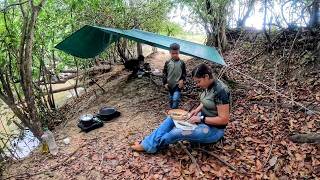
x=220, y=159
x=191, y=157
x=5, y=9
x=23, y=11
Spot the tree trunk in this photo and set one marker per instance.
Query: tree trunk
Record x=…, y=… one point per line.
x=77, y=79
x=218, y=39
x=139, y=49
x=211, y=39
x=26, y=74
x=66, y=88
x=25, y=58
x=315, y=14
x=223, y=36
x=14, y=107
x=27, y=113
x=22, y=116
x=216, y=34
x=139, y=46
x=265, y=23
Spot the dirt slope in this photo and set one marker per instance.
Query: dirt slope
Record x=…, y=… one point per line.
x=255, y=143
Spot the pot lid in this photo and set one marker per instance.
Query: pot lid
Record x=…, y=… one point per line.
x=107, y=111
x=86, y=117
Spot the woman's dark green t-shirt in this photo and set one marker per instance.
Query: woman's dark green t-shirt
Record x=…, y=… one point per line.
x=216, y=94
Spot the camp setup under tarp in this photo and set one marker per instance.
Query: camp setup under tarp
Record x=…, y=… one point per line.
x=90, y=41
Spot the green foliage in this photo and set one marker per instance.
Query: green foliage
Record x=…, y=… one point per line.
x=2, y=25
x=170, y=29
x=59, y=18
x=206, y=12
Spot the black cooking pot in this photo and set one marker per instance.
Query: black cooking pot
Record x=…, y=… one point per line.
x=86, y=119
x=107, y=113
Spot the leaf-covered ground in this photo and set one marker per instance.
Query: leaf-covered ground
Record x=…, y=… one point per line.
x=256, y=143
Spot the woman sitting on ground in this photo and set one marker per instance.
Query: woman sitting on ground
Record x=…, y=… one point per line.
x=212, y=116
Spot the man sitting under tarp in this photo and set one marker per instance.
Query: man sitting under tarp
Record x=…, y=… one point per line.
x=134, y=65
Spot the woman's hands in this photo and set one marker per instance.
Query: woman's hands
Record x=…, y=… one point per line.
x=194, y=119
x=195, y=111
x=192, y=113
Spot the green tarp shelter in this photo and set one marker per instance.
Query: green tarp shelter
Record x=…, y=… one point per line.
x=90, y=41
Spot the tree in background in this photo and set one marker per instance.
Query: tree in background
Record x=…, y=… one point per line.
x=247, y=9
x=19, y=52
x=170, y=29
x=212, y=15
x=314, y=10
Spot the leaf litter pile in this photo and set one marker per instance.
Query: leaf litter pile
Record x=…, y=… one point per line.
x=256, y=143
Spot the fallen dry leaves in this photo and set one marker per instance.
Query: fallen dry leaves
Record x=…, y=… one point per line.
x=256, y=140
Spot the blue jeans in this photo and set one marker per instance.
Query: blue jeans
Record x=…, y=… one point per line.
x=167, y=134
x=174, y=97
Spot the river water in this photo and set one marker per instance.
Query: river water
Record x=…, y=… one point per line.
x=23, y=142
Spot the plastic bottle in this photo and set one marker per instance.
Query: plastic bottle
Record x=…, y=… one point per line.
x=48, y=138
x=44, y=146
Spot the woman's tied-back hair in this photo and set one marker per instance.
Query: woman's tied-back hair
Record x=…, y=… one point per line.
x=201, y=70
